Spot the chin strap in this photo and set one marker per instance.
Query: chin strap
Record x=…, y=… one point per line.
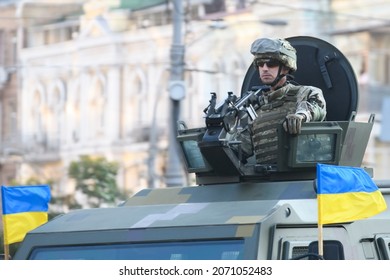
x=278, y=77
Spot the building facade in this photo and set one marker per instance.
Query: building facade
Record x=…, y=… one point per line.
x=10, y=144
x=93, y=78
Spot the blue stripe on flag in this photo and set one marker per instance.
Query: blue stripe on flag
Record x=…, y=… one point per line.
x=21, y=199
x=334, y=179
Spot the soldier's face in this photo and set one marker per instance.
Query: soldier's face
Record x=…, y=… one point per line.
x=269, y=71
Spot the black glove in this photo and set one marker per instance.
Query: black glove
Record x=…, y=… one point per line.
x=293, y=123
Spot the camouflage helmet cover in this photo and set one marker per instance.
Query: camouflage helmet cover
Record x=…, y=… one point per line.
x=279, y=49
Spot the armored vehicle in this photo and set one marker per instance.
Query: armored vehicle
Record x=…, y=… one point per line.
x=238, y=209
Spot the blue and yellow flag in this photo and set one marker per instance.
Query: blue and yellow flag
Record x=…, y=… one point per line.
x=24, y=208
x=346, y=194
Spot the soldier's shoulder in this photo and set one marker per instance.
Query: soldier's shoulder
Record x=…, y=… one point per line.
x=305, y=89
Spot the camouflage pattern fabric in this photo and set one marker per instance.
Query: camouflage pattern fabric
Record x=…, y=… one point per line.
x=279, y=49
x=276, y=106
x=265, y=135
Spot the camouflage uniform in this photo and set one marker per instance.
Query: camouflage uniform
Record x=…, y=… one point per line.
x=274, y=108
x=290, y=99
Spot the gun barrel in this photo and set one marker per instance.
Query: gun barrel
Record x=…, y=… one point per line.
x=240, y=103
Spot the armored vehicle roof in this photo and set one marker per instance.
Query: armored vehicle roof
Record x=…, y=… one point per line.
x=274, y=220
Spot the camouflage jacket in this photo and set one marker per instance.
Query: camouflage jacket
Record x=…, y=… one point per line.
x=273, y=108
x=309, y=100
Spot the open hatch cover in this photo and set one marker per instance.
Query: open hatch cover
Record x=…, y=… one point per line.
x=322, y=65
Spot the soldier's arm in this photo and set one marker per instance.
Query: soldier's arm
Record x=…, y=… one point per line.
x=312, y=104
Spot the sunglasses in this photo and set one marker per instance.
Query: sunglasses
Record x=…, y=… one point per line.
x=269, y=61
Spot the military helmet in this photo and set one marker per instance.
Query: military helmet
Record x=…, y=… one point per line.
x=279, y=49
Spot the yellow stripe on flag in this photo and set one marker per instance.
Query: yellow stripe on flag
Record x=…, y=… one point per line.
x=350, y=206
x=17, y=225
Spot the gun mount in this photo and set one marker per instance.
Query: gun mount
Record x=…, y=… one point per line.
x=209, y=154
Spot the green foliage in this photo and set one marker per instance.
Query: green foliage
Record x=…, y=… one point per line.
x=96, y=178
x=32, y=181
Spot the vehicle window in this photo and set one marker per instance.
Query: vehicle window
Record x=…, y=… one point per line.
x=188, y=250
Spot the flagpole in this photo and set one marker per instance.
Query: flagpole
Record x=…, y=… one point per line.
x=6, y=246
x=6, y=251
x=320, y=241
x=320, y=230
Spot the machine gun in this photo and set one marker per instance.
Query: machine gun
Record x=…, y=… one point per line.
x=234, y=109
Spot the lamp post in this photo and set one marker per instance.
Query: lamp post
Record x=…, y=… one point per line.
x=174, y=172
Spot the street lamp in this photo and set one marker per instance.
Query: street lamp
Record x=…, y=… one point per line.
x=174, y=172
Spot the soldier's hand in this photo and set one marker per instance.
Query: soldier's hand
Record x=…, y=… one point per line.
x=293, y=123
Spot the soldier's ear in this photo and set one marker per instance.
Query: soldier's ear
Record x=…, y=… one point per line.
x=286, y=70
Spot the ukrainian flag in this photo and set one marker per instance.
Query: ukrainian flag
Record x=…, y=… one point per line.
x=24, y=208
x=346, y=194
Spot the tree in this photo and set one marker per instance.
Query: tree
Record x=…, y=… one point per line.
x=96, y=179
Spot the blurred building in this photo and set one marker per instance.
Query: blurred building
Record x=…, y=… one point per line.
x=361, y=31
x=10, y=144
x=91, y=77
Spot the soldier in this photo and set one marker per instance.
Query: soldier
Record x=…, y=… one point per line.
x=285, y=103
